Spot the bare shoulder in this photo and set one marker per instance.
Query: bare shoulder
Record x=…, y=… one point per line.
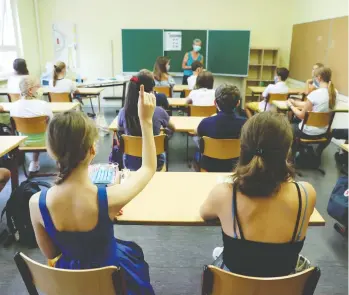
x=221, y=191
x=34, y=206
x=310, y=191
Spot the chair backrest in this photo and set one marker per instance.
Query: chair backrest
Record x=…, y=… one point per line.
x=54, y=281
x=187, y=92
x=277, y=96
x=132, y=145
x=30, y=125
x=167, y=90
x=202, y=111
x=222, y=149
x=318, y=119
x=59, y=97
x=219, y=282
x=12, y=97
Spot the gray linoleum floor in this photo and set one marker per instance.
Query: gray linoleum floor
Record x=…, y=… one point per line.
x=176, y=255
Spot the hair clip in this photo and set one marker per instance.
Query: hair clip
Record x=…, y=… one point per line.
x=134, y=79
x=259, y=152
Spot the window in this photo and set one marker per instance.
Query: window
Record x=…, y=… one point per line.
x=9, y=36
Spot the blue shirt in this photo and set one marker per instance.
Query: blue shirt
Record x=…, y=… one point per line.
x=189, y=72
x=221, y=126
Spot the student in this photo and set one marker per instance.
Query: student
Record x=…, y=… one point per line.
x=264, y=214
x=21, y=71
x=189, y=58
x=281, y=75
x=60, y=84
x=322, y=99
x=128, y=120
x=312, y=84
x=73, y=220
x=161, y=75
x=196, y=67
x=225, y=125
x=28, y=106
x=203, y=94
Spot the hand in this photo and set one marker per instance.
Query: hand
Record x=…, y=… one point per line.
x=309, y=81
x=146, y=105
x=2, y=110
x=290, y=101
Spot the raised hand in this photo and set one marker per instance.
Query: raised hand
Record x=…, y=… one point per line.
x=146, y=105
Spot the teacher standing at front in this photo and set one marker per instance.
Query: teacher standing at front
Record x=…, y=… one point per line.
x=189, y=58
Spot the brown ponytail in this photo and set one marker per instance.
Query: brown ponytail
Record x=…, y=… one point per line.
x=58, y=68
x=326, y=76
x=265, y=144
x=70, y=136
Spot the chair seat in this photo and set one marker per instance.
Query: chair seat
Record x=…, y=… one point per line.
x=32, y=148
x=323, y=139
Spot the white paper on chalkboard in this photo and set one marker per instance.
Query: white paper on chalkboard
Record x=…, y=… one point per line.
x=172, y=41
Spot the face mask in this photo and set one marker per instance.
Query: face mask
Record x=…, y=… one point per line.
x=276, y=79
x=316, y=83
x=168, y=67
x=196, y=48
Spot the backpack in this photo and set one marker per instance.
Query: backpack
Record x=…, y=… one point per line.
x=338, y=204
x=18, y=215
x=306, y=158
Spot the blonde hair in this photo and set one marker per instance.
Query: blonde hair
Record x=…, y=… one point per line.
x=26, y=84
x=326, y=75
x=58, y=68
x=160, y=69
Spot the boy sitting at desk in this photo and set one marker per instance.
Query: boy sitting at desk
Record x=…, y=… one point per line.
x=196, y=67
x=281, y=75
x=225, y=125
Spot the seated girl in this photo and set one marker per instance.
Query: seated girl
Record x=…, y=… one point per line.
x=264, y=214
x=203, y=94
x=128, y=120
x=20, y=72
x=161, y=75
x=312, y=84
x=60, y=84
x=29, y=106
x=73, y=220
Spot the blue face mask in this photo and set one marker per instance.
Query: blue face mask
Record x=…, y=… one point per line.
x=276, y=79
x=316, y=83
x=196, y=48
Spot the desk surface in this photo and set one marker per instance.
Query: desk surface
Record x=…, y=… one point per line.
x=8, y=143
x=180, y=88
x=164, y=201
x=56, y=107
x=345, y=147
x=282, y=105
x=260, y=89
x=177, y=102
x=90, y=91
x=102, y=83
x=185, y=124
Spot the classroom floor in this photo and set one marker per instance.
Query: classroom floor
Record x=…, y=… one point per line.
x=176, y=255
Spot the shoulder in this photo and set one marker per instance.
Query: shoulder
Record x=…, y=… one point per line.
x=121, y=113
x=221, y=191
x=307, y=188
x=34, y=202
x=160, y=112
x=316, y=93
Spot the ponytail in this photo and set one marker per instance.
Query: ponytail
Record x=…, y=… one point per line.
x=58, y=68
x=332, y=94
x=326, y=76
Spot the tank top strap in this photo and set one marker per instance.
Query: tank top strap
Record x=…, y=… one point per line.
x=190, y=57
x=49, y=226
x=235, y=214
x=305, y=211
x=298, y=214
x=103, y=211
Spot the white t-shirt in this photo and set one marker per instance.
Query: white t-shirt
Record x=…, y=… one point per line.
x=13, y=83
x=192, y=82
x=202, y=97
x=320, y=100
x=63, y=86
x=30, y=108
x=279, y=87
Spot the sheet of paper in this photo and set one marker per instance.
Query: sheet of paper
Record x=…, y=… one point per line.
x=172, y=41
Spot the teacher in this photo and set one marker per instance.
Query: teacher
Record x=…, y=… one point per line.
x=189, y=58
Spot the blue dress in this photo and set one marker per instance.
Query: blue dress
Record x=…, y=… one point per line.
x=98, y=248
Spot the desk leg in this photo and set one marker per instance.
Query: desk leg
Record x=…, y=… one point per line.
x=99, y=103
x=14, y=169
x=123, y=94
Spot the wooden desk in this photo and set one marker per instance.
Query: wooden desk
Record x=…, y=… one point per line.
x=113, y=125
x=164, y=202
x=180, y=88
x=186, y=124
x=260, y=89
x=345, y=147
x=10, y=144
x=177, y=102
x=56, y=107
x=282, y=106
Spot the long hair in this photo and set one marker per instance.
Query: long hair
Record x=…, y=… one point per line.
x=326, y=75
x=160, y=67
x=146, y=78
x=70, y=135
x=20, y=66
x=58, y=68
x=263, y=165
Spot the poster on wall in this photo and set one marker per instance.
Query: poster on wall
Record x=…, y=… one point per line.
x=172, y=41
x=65, y=44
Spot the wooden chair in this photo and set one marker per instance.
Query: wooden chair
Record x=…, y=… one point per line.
x=167, y=90
x=220, y=282
x=12, y=97
x=275, y=96
x=54, y=281
x=222, y=149
x=320, y=120
x=132, y=146
x=187, y=92
x=28, y=126
x=59, y=97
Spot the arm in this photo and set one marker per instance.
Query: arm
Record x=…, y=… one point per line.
x=171, y=81
x=120, y=194
x=297, y=103
x=300, y=113
x=184, y=62
x=309, y=86
x=171, y=125
x=44, y=241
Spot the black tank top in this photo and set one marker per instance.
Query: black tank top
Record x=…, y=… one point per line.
x=257, y=258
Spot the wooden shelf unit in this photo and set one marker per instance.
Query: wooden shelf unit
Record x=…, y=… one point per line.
x=263, y=62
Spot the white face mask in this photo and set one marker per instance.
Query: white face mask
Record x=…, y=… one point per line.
x=196, y=48
x=168, y=67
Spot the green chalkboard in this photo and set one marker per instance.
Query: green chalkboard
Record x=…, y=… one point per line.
x=140, y=48
x=228, y=52
x=187, y=45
